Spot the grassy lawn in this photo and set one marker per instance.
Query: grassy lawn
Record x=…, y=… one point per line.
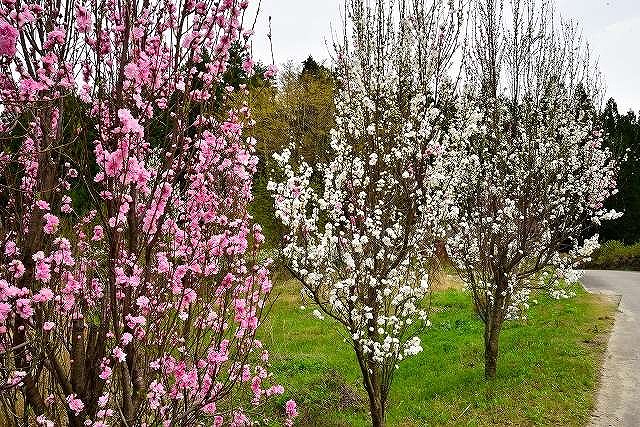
x=547, y=373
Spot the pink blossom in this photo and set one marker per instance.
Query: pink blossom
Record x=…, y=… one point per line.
x=189, y=296
x=8, y=38
x=66, y=204
x=49, y=400
x=240, y=420
x=105, y=373
x=104, y=42
x=83, y=19
x=131, y=70
x=103, y=400
x=44, y=295
x=63, y=254
x=275, y=390
x=52, y=223
x=120, y=355
x=178, y=210
x=98, y=233
x=209, y=409
x=129, y=124
x=142, y=302
x=54, y=37
x=17, y=267
x=23, y=308
x=43, y=205
x=126, y=338
x=246, y=373
x=256, y=384
x=290, y=409
x=220, y=356
x=10, y=248
x=75, y=404
x=43, y=421
x=164, y=266
x=29, y=86
x=55, y=114
x=5, y=309
x=271, y=72
x=247, y=65
x=38, y=256
x=156, y=391
x=16, y=377
x=25, y=16
x=133, y=321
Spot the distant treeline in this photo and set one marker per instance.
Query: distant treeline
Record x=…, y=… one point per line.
x=623, y=137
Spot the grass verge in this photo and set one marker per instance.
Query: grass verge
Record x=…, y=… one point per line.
x=547, y=374
x=615, y=255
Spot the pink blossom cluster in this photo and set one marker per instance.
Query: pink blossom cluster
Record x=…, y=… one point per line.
x=143, y=309
x=8, y=38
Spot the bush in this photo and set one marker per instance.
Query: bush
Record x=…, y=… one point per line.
x=615, y=255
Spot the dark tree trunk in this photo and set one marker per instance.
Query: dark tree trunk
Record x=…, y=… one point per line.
x=371, y=378
x=376, y=404
x=492, y=328
x=491, y=338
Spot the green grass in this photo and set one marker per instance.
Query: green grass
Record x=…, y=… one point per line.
x=547, y=374
x=615, y=255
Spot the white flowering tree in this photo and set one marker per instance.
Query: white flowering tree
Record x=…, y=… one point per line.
x=361, y=241
x=533, y=172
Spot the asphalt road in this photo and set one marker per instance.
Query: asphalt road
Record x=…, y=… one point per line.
x=619, y=394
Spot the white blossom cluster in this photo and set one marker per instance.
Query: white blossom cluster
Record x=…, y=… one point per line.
x=363, y=227
x=524, y=198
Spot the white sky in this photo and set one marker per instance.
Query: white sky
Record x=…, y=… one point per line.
x=303, y=27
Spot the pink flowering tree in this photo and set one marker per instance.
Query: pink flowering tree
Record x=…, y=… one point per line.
x=143, y=308
x=362, y=243
x=530, y=164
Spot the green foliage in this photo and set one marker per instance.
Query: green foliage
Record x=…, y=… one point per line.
x=78, y=133
x=623, y=137
x=552, y=383
x=615, y=255
x=263, y=211
x=299, y=111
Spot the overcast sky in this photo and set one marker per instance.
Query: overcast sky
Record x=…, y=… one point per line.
x=612, y=27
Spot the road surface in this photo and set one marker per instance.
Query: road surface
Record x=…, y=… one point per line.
x=619, y=394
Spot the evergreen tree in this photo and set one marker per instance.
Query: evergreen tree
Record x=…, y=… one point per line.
x=310, y=66
x=623, y=137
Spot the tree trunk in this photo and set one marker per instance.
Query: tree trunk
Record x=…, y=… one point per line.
x=376, y=404
x=30, y=387
x=371, y=379
x=491, y=338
